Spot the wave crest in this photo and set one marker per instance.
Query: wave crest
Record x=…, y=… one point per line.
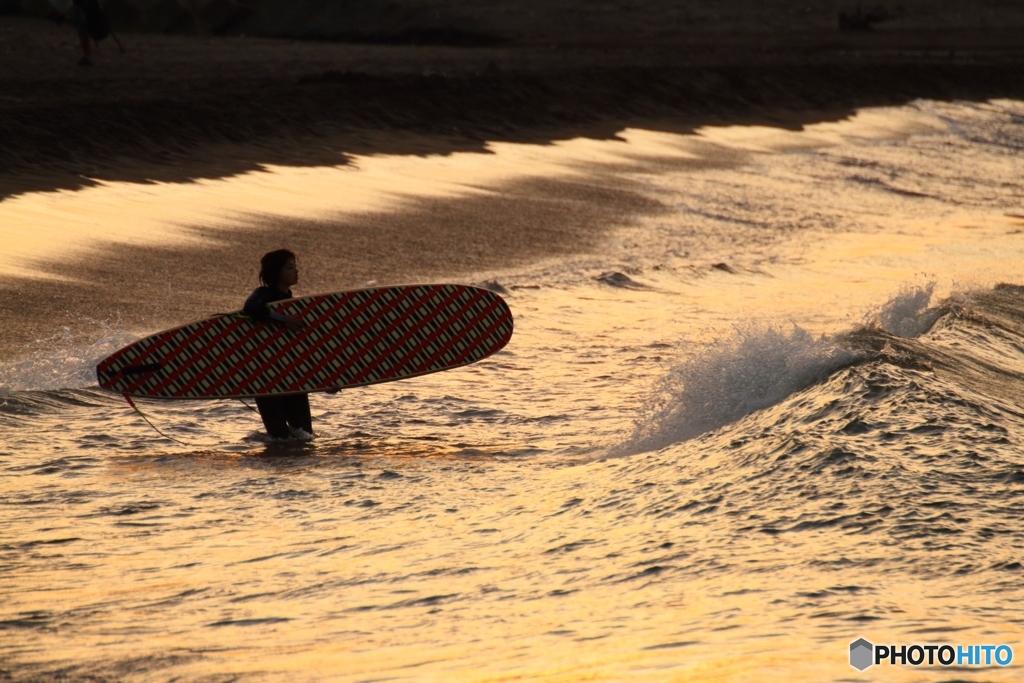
x=754, y=369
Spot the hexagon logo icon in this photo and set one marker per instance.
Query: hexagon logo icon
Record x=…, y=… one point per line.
x=862, y=654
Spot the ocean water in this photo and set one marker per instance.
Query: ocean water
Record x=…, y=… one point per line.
x=777, y=415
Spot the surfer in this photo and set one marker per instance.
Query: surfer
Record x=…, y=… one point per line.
x=278, y=273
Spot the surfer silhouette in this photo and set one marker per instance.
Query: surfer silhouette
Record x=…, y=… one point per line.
x=278, y=273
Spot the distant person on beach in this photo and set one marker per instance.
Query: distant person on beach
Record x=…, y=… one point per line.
x=89, y=21
x=278, y=273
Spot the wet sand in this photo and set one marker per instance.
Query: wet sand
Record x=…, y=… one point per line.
x=430, y=239
x=181, y=108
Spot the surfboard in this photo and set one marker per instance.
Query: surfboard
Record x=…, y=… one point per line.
x=350, y=339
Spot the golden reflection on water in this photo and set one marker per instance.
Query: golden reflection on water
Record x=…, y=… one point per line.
x=568, y=621
x=842, y=277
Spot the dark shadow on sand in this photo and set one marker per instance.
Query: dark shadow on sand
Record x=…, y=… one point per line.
x=201, y=128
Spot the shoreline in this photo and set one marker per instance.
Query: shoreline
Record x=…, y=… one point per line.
x=176, y=109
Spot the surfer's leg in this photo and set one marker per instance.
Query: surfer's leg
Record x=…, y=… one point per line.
x=274, y=411
x=298, y=413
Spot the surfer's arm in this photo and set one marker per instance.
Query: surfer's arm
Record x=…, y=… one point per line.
x=256, y=307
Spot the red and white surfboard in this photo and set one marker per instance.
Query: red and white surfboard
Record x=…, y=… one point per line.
x=350, y=339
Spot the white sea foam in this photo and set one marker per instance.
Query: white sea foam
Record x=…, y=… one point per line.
x=63, y=361
x=907, y=314
x=754, y=369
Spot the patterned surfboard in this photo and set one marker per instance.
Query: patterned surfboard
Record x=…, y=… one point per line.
x=349, y=339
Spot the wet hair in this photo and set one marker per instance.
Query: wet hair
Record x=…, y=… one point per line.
x=272, y=264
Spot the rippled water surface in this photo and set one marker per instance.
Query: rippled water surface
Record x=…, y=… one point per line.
x=777, y=415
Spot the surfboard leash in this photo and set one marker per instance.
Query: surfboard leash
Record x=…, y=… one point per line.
x=143, y=416
x=248, y=406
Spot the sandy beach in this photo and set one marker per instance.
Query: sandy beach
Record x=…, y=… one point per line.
x=177, y=108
